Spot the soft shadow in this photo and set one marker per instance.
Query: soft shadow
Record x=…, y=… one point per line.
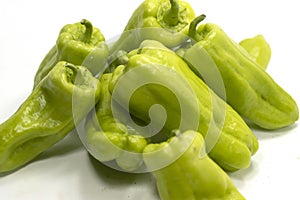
x=3, y=174
x=243, y=173
x=241, y=176
x=263, y=134
x=117, y=183
x=115, y=177
x=69, y=144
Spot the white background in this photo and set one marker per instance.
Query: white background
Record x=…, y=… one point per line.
x=66, y=171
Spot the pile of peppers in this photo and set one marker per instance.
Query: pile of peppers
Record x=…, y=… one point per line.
x=166, y=56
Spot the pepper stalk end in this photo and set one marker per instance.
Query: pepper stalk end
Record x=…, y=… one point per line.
x=88, y=30
x=193, y=28
x=171, y=17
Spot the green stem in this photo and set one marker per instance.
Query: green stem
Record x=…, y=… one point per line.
x=72, y=71
x=88, y=31
x=171, y=17
x=193, y=28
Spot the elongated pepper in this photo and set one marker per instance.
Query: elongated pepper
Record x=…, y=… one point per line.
x=173, y=85
x=166, y=21
x=193, y=175
x=51, y=111
x=250, y=90
x=80, y=44
x=259, y=49
x=107, y=138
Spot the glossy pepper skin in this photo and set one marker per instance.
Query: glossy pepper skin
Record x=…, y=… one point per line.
x=80, y=44
x=62, y=99
x=250, y=90
x=193, y=175
x=166, y=21
x=109, y=139
x=152, y=57
x=259, y=49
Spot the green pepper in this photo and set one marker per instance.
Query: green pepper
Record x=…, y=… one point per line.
x=166, y=21
x=250, y=90
x=81, y=44
x=55, y=106
x=109, y=139
x=259, y=49
x=193, y=175
x=216, y=120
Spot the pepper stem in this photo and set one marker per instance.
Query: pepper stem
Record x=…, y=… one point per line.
x=88, y=31
x=193, y=28
x=72, y=72
x=171, y=17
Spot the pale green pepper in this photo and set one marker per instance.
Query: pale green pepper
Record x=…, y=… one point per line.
x=259, y=49
x=53, y=109
x=109, y=139
x=166, y=21
x=192, y=176
x=216, y=120
x=250, y=90
x=80, y=43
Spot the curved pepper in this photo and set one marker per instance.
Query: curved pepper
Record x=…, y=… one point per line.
x=61, y=100
x=259, y=49
x=166, y=21
x=250, y=90
x=236, y=142
x=109, y=139
x=81, y=44
x=193, y=175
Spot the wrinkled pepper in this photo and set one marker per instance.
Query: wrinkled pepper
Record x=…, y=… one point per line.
x=235, y=142
x=259, y=49
x=61, y=100
x=166, y=21
x=193, y=175
x=250, y=90
x=80, y=44
x=109, y=139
